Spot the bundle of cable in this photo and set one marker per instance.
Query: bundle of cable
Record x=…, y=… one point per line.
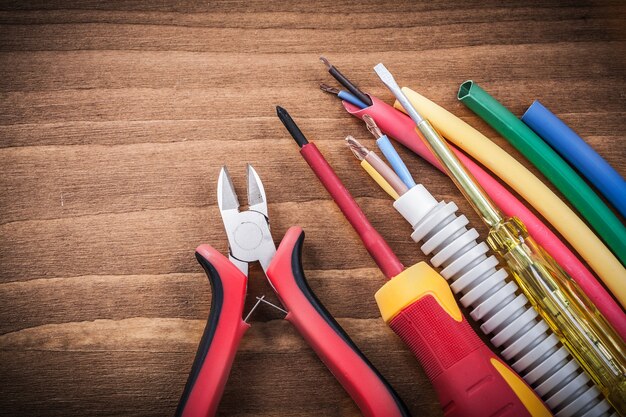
x=506, y=315
x=528, y=344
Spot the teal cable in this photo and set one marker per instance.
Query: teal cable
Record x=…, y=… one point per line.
x=564, y=178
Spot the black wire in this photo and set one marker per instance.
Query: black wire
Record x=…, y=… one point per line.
x=347, y=83
x=291, y=126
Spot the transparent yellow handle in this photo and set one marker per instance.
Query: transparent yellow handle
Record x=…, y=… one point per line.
x=566, y=309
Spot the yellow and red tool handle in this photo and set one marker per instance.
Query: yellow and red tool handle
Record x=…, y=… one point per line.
x=225, y=327
x=470, y=380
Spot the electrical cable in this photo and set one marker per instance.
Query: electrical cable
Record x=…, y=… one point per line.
x=578, y=153
x=364, y=154
x=580, y=237
x=346, y=83
x=344, y=95
x=506, y=316
x=548, y=162
x=385, y=146
x=549, y=205
x=377, y=247
x=375, y=175
x=382, y=141
x=399, y=126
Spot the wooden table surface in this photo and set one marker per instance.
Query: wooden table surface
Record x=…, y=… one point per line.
x=116, y=118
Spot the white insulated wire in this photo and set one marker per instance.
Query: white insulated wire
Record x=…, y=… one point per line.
x=505, y=314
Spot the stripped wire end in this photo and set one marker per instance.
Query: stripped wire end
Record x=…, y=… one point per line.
x=359, y=151
x=377, y=169
x=365, y=100
x=328, y=89
x=325, y=62
x=372, y=126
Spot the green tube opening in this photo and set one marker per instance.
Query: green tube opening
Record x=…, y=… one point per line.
x=464, y=89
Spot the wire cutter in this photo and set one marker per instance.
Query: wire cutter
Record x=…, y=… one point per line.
x=250, y=240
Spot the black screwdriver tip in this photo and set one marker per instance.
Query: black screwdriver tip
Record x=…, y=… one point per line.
x=291, y=126
x=281, y=112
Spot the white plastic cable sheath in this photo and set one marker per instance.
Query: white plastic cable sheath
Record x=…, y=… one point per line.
x=506, y=315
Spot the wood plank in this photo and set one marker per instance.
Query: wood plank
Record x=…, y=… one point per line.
x=150, y=352
x=177, y=295
x=115, y=118
x=88, y=70
x=162, y=241
x=267, y=40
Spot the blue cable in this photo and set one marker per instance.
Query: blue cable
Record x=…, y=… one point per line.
x=578, y=153
x=384, y=144
x=344, y=95
x=391, y=155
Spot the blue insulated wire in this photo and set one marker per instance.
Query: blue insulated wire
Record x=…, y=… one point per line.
x=578, y=153
x=344, y=95
x=391, y=155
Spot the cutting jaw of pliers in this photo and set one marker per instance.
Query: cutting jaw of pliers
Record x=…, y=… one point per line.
x=248, y=232
x=250, y=240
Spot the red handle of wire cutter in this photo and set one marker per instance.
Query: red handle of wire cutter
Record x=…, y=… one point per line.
x=221, y=337
x=470, y=380
x=368, y=389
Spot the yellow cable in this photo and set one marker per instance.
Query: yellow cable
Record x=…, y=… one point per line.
x=379, y=179
x=498, y=161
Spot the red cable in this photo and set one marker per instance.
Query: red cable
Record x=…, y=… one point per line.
x=375, y=244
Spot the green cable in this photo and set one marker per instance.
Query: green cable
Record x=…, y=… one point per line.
x=568, y=182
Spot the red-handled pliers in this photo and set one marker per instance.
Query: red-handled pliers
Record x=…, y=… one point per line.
x=249, y=241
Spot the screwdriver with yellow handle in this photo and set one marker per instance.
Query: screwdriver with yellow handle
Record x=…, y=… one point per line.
x=417, y=303
x=558, y=299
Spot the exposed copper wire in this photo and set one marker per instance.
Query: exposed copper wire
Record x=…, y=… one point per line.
x=329, y=89
x=362, y=153
x=346, y=82
x=372, y=126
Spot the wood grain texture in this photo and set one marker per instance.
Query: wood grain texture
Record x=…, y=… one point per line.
x=115, y=118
